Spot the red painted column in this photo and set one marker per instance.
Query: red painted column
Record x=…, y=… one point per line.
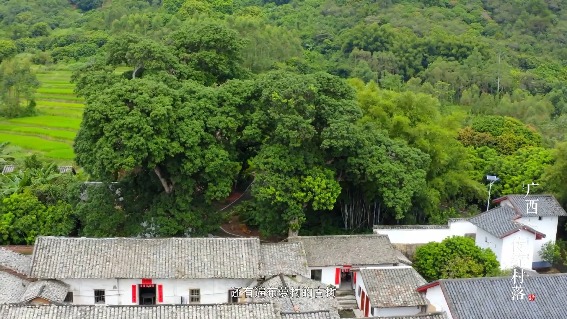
x=362, y=300
x=367, y=307
x=337, y=276
x=134, y=291
x=354, y=277
x=160, y=293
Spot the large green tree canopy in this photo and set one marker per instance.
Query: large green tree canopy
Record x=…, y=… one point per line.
x=178, y=135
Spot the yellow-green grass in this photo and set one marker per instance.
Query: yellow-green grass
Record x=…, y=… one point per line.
x=58, y=97
x=68, y=105
x=61, y=111
x=49, y=121
x=37, y=131
x=56, y=90
x=51, y=149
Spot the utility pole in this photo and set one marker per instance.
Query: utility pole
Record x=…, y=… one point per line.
x=492, y=179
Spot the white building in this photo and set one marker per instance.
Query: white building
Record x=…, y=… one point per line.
x=543, y=216
x=512, y=242
x=423, y=234
x=534, y=296
x=133, y=271
x=331, y=259
x=515, y=230
x=388, y=292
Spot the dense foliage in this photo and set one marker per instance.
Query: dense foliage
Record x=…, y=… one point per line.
x=455, y=257
x=188, y=101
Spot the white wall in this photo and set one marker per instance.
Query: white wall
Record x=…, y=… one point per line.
x=547, y=226
x=396, y=311
x=418, y=234
x=486, y=240
x=509, y=250
x=437, y=299
x=119, y=291
x=359, y=283
x=328, y=273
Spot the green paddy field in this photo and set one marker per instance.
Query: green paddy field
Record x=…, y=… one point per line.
x=51, y=133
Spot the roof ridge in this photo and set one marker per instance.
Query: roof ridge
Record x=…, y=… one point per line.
x=141, y=238
x=344, y=236
x=138, y=306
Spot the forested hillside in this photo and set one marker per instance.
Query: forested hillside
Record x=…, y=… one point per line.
x=332, y=115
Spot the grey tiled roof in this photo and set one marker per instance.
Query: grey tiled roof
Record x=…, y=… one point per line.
x=14, y=261
x=180, y=258
x=436, y=315
x=6, y=169
x=352, y=250
x=307, y=315
x=14, y=289
x=65, y=169
x=403, y=259
x=499, y=222
x=50, y=290
x=283, y=258
x=297, y=302
x=388, y=287
x=11, y=288
x=547, y=205
x=491, y=298
x=220, y=311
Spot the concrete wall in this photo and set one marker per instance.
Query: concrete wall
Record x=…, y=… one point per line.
x=328, y=273
x=437, y=300
x=485, y=240
x=423, y=234
x=511, y=250
x=547, y=225
x=119, y=291
x=396, y=311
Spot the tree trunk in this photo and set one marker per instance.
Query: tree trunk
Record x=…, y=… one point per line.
x=166, y=185
x=138, y=67
x=291, y=232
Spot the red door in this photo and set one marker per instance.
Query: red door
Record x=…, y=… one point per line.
x=362, y=298
x=366, y=307
x=338, y=276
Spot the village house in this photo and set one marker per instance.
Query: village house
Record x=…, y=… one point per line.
x=515, y=231
x=535, y=296
x=218, y=311
x=17, y=287
x=539, y=212
x=335, y=260
x=134, y=271
x=386, y=292
x=283, y=258
x=331, y=259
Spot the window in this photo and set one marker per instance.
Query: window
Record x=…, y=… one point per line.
x=316, y=274
x=69, y=297
x=194, y=295
x=233, y=296
x=99, y=296
x=539, y=218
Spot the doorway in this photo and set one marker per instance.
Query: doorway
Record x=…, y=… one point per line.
x=147, y=294
x=346, y=280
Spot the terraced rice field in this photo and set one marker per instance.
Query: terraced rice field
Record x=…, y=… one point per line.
x=51, y=133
